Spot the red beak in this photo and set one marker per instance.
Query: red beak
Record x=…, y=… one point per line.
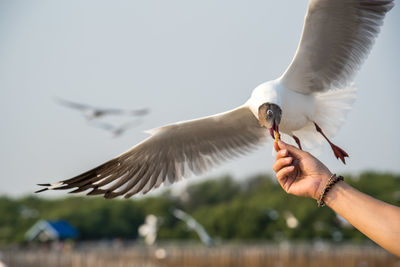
x=274, y=129
x=271, y=132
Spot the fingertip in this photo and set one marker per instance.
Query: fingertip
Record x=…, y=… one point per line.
x=283, y=152
x=282, y=173
x=288, y=169
x=288, y=148
x=281, y=144
x=276, y=146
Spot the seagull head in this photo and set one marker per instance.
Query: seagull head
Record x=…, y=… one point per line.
x=269, y=116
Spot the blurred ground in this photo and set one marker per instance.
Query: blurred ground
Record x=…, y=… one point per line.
x=188, y=254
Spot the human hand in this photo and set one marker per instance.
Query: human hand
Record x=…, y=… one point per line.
x=298, y=172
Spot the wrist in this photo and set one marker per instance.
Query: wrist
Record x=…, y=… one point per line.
x=333, y=195
x=323, y=180
x=333, y=180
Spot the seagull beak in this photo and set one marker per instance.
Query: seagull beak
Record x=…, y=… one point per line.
x=275, y=127
x=271, y=132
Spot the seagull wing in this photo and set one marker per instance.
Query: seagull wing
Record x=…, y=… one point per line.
x=337, y=37
x=172, y=152
x=74, y=105
x=130, y=124
x=111, y=111
x=139, y=112
x=102, y=125
x=117, y=111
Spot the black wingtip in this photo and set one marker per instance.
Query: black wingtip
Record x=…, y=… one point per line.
x=95, y=191
x=41, y=190
x=78, y=190
x=110, y=195
x=44, y=184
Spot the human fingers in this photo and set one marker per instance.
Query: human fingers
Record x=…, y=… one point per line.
x=291, y=149
x=276, y=146
x=282, y=162
x=281, y=154
x=283, y=174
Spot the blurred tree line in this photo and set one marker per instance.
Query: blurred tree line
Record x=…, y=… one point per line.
x=254, y=209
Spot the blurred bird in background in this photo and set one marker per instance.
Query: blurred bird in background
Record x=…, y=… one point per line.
x=148, y=230
x=116, y=130
x=94, y=115
x=91, y=112
x=194, y=225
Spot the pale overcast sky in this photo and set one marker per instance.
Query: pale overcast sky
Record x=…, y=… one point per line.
x=182, y=59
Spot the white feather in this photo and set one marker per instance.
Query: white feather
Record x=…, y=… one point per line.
x=331, y=109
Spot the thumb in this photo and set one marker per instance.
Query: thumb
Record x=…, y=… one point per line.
x=276, y=146
x=291, y=149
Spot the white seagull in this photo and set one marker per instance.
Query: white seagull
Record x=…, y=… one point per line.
x=194, y=225
x=91, y=112
x=308, y=103
x=116, y=130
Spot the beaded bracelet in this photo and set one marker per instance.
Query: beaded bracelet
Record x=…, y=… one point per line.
x=332, y=180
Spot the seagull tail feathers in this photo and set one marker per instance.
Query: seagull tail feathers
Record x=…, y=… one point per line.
x=331, y=109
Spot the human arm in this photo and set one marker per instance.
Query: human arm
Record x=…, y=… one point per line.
x=301, y=174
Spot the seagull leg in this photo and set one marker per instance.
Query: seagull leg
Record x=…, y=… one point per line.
x=339, y=153
x=297, y=141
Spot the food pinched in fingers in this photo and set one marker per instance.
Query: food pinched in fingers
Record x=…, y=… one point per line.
x=277, y=137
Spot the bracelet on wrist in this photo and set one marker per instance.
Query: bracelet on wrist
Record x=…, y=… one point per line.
x=331, y=182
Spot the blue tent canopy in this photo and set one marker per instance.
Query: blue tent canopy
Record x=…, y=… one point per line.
x=51, y=230
x=64, y=229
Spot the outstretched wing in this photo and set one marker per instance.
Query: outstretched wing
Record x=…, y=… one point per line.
x=71, y=104
x=172, y=152
x=117, y=111
x=337, y=37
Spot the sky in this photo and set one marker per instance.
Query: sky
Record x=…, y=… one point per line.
x=181, y=59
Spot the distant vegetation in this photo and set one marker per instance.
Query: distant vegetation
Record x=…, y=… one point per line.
x=255, y=209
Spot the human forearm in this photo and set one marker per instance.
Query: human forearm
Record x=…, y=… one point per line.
x=376, y=219
x=301, y=174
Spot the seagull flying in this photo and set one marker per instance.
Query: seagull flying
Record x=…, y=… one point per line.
x=194, y=225
x=91, y=112
x=307, y=103
x=116, y=130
